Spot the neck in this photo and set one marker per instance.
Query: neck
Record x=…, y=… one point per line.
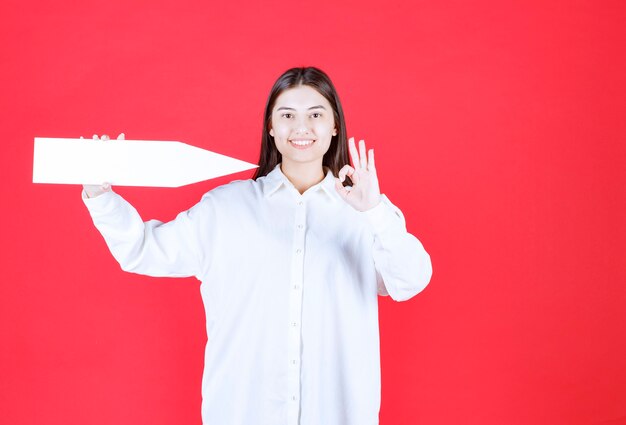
x=303, y=175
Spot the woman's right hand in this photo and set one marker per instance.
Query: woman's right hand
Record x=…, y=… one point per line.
x=93, y=190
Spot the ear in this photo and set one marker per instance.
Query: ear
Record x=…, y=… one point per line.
x=335, y=131
x=272, y=132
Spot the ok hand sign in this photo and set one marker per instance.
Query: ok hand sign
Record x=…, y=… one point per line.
x=365, y=192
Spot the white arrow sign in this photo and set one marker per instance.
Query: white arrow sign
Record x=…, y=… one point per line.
x=128, y=162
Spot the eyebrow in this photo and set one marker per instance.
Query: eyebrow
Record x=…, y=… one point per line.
x=292, y=109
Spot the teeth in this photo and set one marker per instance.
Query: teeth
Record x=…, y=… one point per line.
x=302, y=142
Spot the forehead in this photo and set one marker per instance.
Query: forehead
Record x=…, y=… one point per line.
x=301, y=97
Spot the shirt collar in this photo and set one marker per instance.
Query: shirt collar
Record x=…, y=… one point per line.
x=275, y=179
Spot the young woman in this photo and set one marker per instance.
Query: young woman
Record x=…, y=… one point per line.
x=291, y=263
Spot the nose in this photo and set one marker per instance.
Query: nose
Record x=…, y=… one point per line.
x=302, y=127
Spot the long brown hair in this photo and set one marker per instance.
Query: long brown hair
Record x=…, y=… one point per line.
x=337, y=155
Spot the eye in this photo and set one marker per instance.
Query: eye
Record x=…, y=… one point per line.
x=286, y=115
x=316, y=115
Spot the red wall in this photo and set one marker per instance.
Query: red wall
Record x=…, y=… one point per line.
x=499, y=130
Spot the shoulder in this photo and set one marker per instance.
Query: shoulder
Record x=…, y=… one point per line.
x=234, y=192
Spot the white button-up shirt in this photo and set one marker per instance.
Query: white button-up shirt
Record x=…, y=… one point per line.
x=289, y=285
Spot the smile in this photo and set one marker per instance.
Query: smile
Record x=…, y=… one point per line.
x=302, y=144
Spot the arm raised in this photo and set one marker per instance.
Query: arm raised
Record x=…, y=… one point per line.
x=399, y=257
x=153, y=248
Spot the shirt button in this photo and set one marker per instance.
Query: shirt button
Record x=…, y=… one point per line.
x=293, y=397
x=293, y=362
x=300, y=226
x=298, y=251
x=296, y=287
x=300, y=202
x=294, y=324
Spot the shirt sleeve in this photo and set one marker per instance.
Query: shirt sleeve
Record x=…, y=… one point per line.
x=403, y=266
x=151, y=248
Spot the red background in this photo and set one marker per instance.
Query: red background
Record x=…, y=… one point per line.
x=499, y=131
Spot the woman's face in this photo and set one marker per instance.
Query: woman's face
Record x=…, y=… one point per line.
x=302, y=125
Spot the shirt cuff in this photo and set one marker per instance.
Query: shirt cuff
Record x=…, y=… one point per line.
x=101, y=204
x=383, y=216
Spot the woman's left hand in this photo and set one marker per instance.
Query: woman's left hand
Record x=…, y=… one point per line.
x=365, y=192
